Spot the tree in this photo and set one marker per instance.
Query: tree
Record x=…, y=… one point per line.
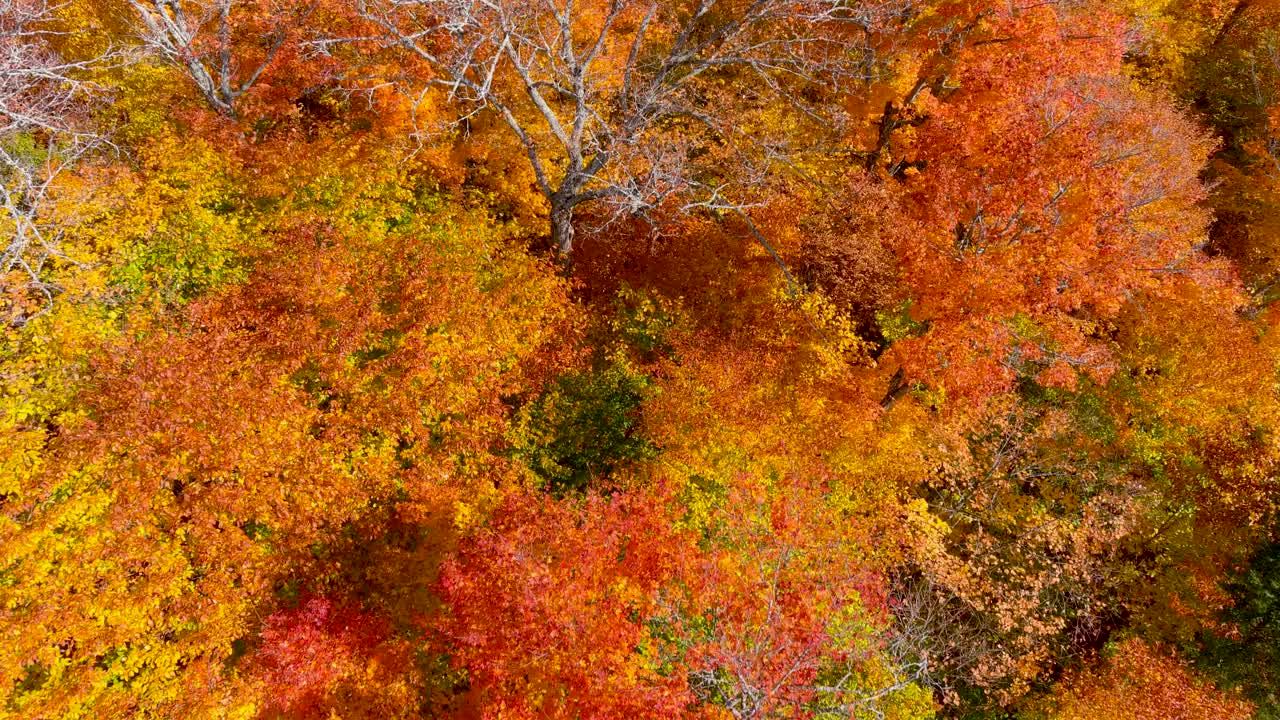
x=1052, y=190
x=548, y=608
x=309, y=432
x=1038, y=516
x=1243, y=650
x=331, y=656
x=638, y=103
x=46, y=102
x=1141, y=682
x=783, y=615
x=221, y=456
x=1237, y=87
x=223, y=46
x=785, y=610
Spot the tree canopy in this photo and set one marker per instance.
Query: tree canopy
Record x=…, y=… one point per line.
x=732, y=359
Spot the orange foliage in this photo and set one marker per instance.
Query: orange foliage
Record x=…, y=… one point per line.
x=324, y=657
x=1139, y=682
x=220, y=454
x=1053, y=190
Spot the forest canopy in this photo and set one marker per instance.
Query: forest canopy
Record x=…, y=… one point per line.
x=708, y=359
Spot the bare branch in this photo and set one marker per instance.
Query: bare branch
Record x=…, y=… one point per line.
x=591, y=90
x=45, y=101
x=199, y=37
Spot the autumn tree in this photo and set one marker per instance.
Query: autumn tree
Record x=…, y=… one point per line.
x=783, y=615
x=610, y=608
x=46, y=103
x=1236, y=85
x=549, y=607
x=330, y=655
x=310, y=432
x=1141, y=682
x=640, y=104
x=223, y=46
x=223, y=456
x=1039, y=516
x=1051, y=190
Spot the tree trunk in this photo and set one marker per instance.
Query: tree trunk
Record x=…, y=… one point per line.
x=562, y=230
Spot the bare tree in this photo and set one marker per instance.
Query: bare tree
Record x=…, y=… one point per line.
x=199, y=37
x=45, y=129
x=620, y=100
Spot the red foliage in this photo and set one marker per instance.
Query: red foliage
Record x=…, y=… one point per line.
x=324, y=655
x=549, y=606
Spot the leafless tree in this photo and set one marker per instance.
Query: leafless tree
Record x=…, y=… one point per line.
x=595, y=90
x=198, y=36
x=45, y=129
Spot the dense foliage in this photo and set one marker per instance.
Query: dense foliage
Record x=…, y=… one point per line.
x=883, y=359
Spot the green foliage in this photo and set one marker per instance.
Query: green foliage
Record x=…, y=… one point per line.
x=583, y=427
x=25, y=150
x=643, y=323
x=181, y=266
x=896, y=323
x=1245, y=653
